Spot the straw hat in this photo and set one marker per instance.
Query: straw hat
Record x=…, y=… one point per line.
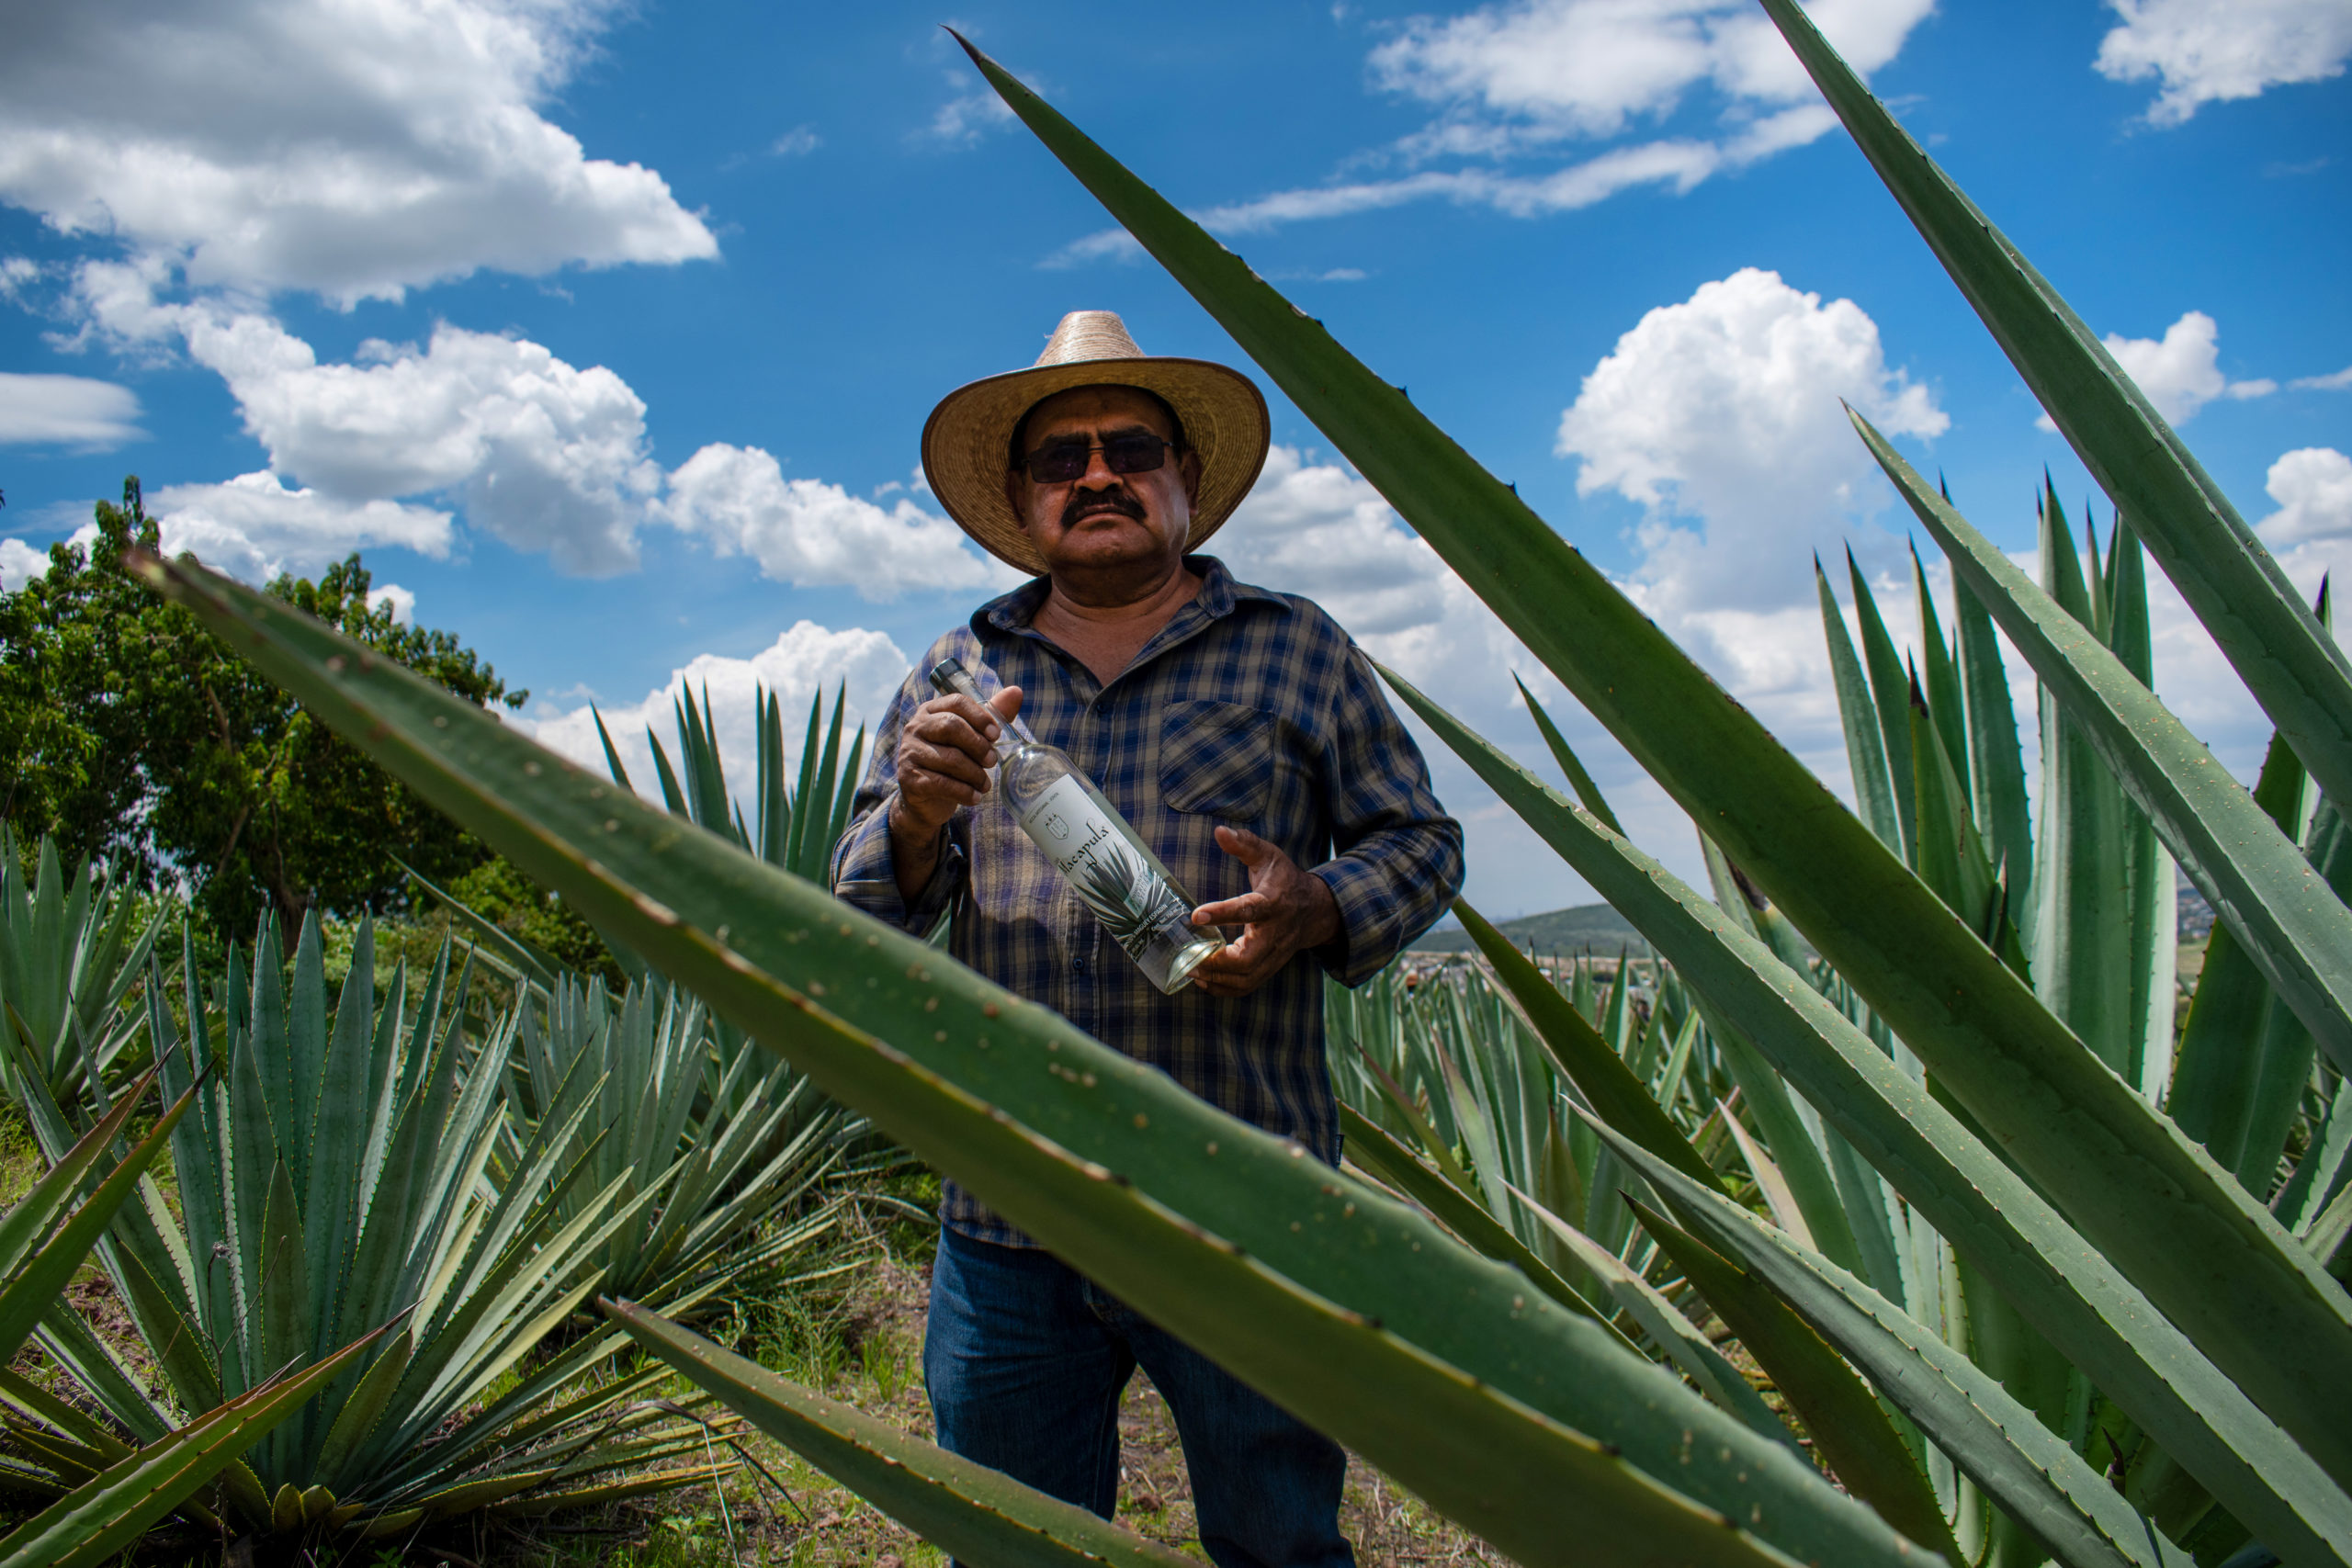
x=967, y=442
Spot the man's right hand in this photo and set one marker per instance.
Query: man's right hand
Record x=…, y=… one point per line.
x=942, y=763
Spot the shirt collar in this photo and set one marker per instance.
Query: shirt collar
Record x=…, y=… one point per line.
x=1220, y=592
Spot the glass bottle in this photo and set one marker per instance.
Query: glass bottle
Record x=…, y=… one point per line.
x=1138, y=901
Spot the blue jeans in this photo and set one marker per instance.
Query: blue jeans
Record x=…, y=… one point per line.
x=1025, y=1359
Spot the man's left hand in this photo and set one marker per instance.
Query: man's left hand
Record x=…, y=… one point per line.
x=1286, y=911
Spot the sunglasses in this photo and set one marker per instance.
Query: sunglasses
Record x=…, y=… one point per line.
x=1129, y=452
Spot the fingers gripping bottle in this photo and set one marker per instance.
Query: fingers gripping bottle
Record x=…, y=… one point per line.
x=1140, y=902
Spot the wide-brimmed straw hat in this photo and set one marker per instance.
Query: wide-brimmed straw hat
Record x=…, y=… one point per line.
x=967, y=442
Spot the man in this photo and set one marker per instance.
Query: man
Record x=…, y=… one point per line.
x=1247, y=740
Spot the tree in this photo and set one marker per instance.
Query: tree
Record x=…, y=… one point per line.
x=126, y=728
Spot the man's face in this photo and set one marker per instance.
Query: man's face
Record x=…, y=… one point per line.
x=1101, y=520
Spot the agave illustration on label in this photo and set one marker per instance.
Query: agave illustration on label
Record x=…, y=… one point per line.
x=1133, y=902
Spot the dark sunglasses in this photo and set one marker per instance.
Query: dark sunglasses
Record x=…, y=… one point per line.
x=1129, y=452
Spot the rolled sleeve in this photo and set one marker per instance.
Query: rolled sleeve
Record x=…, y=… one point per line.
x=1399, y=856
x=865, y=872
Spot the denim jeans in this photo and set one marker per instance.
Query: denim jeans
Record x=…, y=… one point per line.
x=1025, y=1359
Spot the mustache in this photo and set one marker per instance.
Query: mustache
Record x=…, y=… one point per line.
x=1087, y=503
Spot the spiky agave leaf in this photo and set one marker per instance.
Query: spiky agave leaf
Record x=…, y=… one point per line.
x=334, y=1177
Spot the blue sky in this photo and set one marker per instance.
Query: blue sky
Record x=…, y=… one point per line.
x=607, y=332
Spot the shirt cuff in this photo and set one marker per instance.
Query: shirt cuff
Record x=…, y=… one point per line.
x=865, y=875
x=1367, y=921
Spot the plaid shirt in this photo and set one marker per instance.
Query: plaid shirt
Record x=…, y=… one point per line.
x=1249, y=708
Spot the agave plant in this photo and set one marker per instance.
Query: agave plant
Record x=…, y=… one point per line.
x=121, y=1491
x=2179, y=1296
x=726, y=1190
x=70, y=950
x=797, y=825
x=333, y=1182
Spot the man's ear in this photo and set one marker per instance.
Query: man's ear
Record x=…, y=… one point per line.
x=1188, y=467
x=1015, y=499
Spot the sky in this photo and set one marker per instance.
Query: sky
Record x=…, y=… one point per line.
x=606, y=331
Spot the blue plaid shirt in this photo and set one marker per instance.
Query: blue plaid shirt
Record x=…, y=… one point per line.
x=1249, y=708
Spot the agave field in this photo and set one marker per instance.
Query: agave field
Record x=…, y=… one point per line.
x=360, y=1307
x=1905, y=1205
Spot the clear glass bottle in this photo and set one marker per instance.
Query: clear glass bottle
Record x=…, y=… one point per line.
x=1140, y=902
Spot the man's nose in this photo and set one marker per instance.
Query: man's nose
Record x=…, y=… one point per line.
x=1099, y=473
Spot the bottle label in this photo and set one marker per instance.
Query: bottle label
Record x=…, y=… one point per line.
x=1131, y=900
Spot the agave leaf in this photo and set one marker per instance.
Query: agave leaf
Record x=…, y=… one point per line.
x=1583, y=1057
x=1889, y=685
x=1669, y=1329
x=1996, y=768
x=31, y=1290
x=2292, y=923
x=2292, y=667
x=1579, y=779
x=1370, y=1148
x=1210, y=1250
x=1865, y=741
x=982, y=1517
x=2021, y=1465
x=101, y=1518
x=2075, y=1128
x=1847, y=1421
x=2065, y=1288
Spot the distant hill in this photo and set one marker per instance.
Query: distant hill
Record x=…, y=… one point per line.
x=1602, y=930
x=1596, y=926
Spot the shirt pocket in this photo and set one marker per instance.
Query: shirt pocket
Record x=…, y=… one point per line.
x=1217, y=760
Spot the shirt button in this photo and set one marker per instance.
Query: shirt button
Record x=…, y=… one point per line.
x=1079, y=963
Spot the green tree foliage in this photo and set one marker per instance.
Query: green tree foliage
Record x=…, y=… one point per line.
x=128, y=730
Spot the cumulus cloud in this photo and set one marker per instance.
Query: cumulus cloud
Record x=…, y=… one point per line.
x=402, y=601
x=814, y=535
x=2181, y=372
x=2313, y=490
x=1724, y=411
x=2206, y=51
x=254, y=527
x=397, y=144
x=2335, y=381
x=802, y=661
x=541, y=454
x=20, y=563
x=72, y=410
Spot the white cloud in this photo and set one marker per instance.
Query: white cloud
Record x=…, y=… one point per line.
x=1679, y=164
x=2181, y=372
x=803, y=661
x=797, y=143
x=811, y=534
x=20, y=563
x=394, y=145
x=1724, y=410
x=961, y=121
x=539, y=453
x=69, y=409
x=402, y=600
x=254, y=527
x=2335, y=381
x=1519, y=78
x=543, y=454
x=2212, y=51
x=2313, y=490
x=1552, y=68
